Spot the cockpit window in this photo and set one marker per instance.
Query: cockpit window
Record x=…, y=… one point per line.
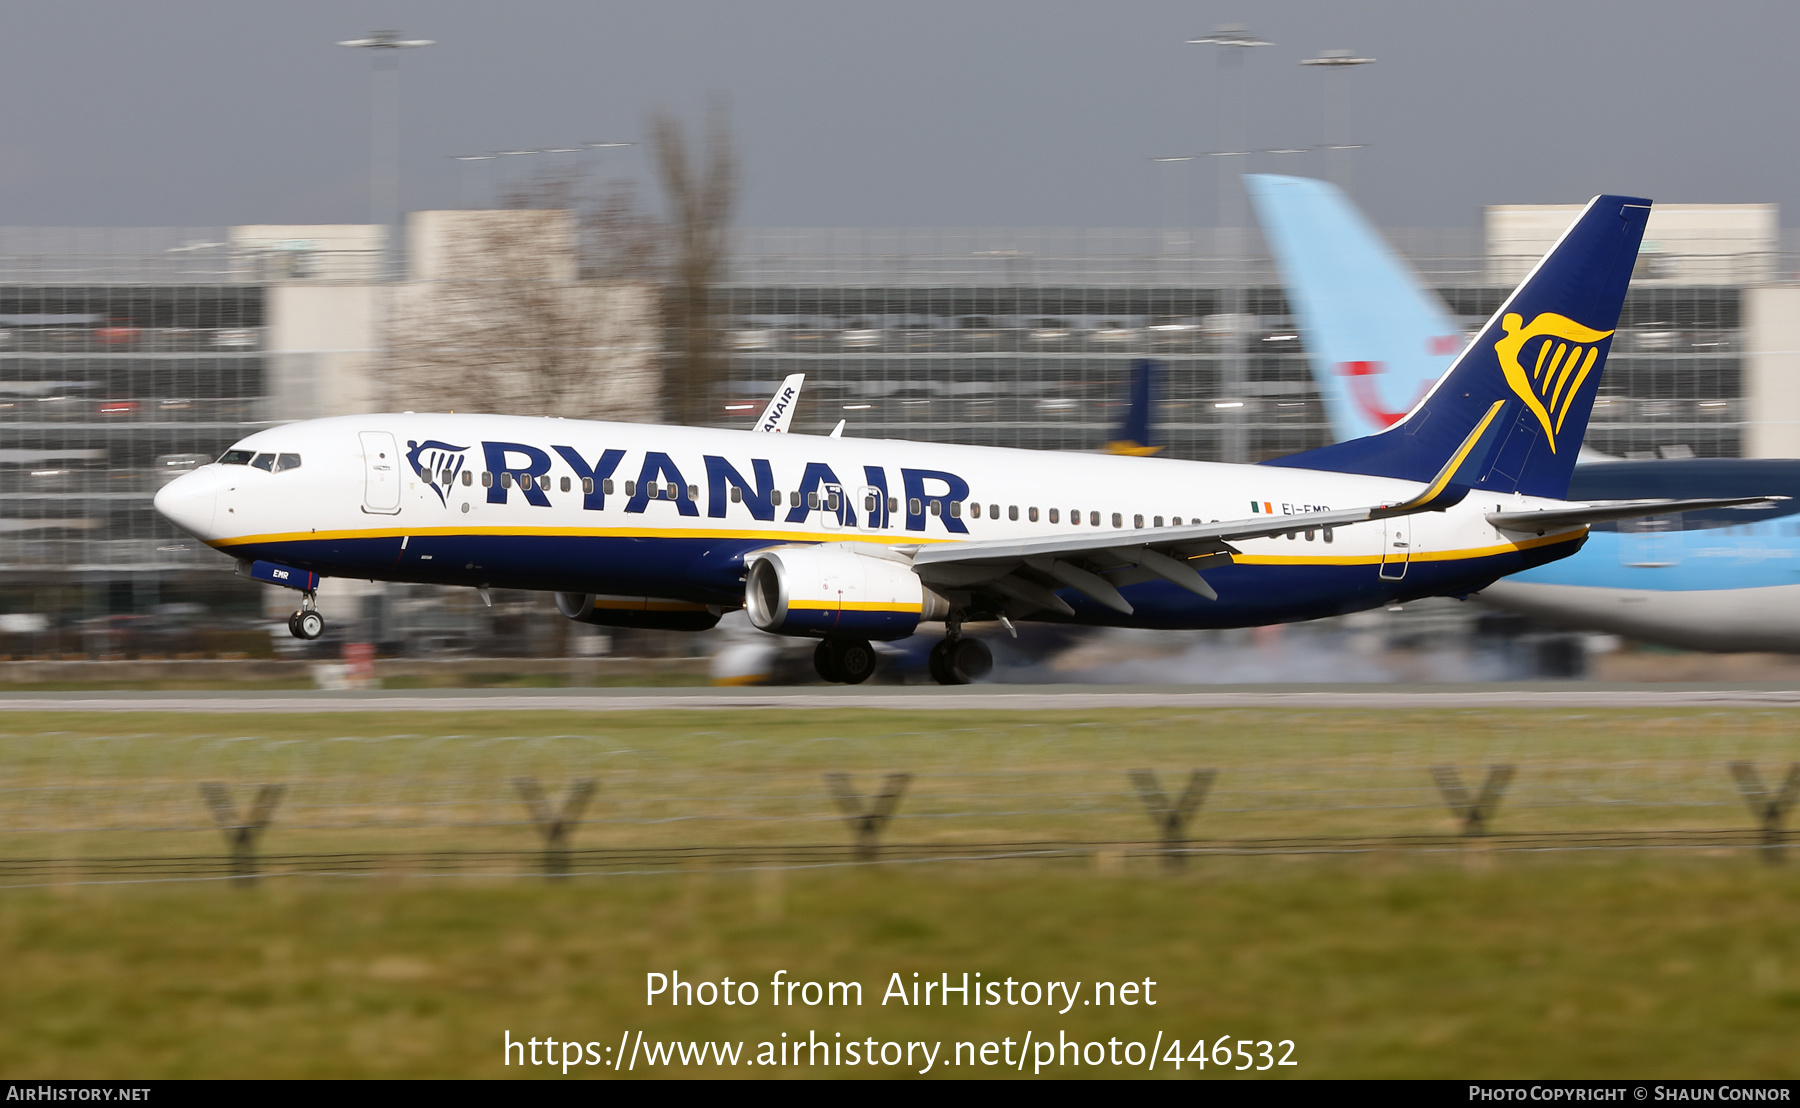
x=264, y=462
x=286, y=462
x=236, y=457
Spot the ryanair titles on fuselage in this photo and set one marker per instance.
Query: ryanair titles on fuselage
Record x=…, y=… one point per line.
x=923, y=492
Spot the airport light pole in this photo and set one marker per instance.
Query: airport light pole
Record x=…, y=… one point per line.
x=384, y=130
x=1337, y=114
x=1233, y=40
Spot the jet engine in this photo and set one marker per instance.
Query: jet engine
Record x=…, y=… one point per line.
x=656, y=613
x=852, y=589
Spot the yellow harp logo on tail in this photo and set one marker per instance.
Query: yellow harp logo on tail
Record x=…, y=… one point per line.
x=1559, y=365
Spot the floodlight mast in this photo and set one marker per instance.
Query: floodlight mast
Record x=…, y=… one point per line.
x=384, y=130
x=1233, y=40
x=1337, y=114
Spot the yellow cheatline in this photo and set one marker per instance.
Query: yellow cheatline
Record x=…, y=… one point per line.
x=565, y=532
x=848, y=606
x=1132, y=449
x=1416, y=556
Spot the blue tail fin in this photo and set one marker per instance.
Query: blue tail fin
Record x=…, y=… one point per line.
x=1133, y=436
x=1377, y=339
x=1542, y=353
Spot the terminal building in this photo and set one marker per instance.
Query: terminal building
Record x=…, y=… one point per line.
x=129, y=356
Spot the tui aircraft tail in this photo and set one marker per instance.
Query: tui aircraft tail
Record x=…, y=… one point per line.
x=1541, y=354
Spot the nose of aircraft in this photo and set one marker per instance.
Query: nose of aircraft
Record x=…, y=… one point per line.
x=189, y=501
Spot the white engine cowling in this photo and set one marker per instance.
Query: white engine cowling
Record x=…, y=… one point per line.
x=838, y=589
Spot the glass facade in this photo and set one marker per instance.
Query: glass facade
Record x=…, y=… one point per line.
x=1026, y=338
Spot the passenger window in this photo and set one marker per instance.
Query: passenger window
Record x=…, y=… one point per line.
x=1053, y=514
x=737, y=495
x=693, y=492
x=1292, y=535
x=1309, y=534
x=937, y=507
x=775, y=498
x=833, y=501
x=1159, y=521
x=1093, y=519
x=607, y=487
x=894, y=504
x=565, y=484
x=812, y=500
x=468, y=478
x=1176, y=522
x=286, y=462
x=506, y=480
x=631, y=488
x=869, y=503
x=1327, y=534
x=236, y=457
x=974, y=510
x=956, y=509
x=1118, y=520
x=525, y=481
x=264, y=462
x=913, y=507
x=1012, y=512
x=994, y=511
x=587, y=486
x=1138, y=521
x=1032, y=514
x=487, y=479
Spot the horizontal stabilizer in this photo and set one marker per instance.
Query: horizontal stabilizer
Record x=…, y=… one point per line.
x=1557, y=518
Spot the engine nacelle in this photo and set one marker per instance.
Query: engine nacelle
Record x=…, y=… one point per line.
x=838, y=589
x=654, y=613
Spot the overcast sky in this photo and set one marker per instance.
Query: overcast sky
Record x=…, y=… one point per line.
x=921, y=113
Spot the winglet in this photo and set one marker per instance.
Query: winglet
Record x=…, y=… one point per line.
x=1452, y=482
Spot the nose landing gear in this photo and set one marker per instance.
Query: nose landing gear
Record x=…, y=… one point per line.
x=307, y=623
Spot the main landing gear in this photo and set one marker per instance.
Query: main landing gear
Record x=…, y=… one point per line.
x=307, y=623
x=844, y=661
x=959, y=661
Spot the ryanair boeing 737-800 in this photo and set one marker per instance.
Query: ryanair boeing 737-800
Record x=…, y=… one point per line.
x=849, y=540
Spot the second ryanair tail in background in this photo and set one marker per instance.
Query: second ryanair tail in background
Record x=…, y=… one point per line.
x=1540, y=356
x=1133, y=436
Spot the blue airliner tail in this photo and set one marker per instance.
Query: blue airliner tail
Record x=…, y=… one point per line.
x=1377, y=340
x=1542, y=354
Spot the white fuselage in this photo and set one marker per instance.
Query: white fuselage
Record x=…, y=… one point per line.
x=671, y=511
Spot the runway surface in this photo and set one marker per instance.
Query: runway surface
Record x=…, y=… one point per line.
x=1033, y=698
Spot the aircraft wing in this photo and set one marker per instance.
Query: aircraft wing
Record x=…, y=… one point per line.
x=1031, y=570
x=1552, y=519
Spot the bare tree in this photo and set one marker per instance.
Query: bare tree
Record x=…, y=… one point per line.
x=700, y=190
x=499, y=320
x=617, y=239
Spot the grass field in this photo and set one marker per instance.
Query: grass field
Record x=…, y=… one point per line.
x=1391, y=962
